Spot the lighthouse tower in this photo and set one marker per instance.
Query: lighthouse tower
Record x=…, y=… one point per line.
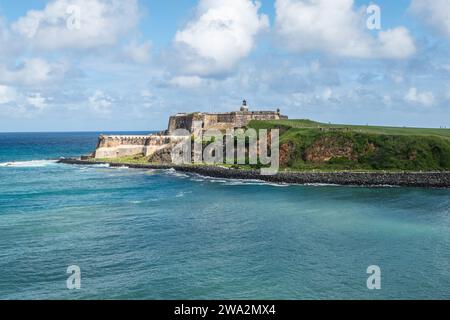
x=244, y=107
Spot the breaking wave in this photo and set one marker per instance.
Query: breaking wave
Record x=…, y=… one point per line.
x=100, y=165
x=175, y=173
x=29, y=164
x=235, y=182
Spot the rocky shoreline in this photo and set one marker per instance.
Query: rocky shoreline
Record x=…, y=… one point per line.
x=404, y=179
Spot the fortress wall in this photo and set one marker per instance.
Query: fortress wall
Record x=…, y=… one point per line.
x=226, y=117
x=220, y=121
x=119, y=146
x=184, y=121
x=242, y=119
x=115, y=141
x=119, y=151
x=172, y=124
x=236, y=119
x=122, y=146
x=178, y=122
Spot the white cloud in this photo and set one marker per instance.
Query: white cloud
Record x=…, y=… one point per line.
x=101, y=22
x=188, y=82
x=37, y=101
x=393, y=43
x=7, y=94
x=100, y=102
x=32, y=72
x=435, y=13
x=425, y=98
x=222, y=33
x=12, y=97
x=334, y=27
x=317, y=96
x=138, y=53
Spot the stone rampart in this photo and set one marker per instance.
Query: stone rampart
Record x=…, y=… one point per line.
x=122, y=146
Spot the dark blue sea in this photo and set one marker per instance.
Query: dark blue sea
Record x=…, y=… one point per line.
x=149, y=234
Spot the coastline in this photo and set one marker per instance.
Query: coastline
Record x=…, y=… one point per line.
x=401, y=179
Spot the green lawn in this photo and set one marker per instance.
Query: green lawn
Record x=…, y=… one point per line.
x=308, y=124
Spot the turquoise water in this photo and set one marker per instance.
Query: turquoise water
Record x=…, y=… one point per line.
x=145, y=234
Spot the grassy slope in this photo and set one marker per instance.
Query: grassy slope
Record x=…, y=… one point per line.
x=395, y=148
x=308, y=124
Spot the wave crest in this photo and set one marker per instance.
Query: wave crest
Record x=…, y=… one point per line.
x=28, y=164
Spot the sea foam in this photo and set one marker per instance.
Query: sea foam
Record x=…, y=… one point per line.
x=28, y=164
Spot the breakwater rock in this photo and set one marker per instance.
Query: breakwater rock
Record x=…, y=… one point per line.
x=407, y=179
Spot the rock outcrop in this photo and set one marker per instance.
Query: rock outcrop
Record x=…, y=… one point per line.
x=326, y=148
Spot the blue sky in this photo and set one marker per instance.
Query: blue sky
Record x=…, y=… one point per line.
x=69, y=65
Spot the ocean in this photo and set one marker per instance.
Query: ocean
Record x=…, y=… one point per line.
x=159, y=234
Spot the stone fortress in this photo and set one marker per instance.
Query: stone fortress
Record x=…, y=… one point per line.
x=114, y=146
x=220, y=121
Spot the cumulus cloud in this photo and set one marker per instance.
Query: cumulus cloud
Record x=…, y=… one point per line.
x=32, y=72
x=222, y=33
x=425, y=98
x=9, y=46
x=78, y=24
x=13, y=98
x=188, y=82
x=100, y=102
x=138, y=53
x=335, y=27
x=435, y=13
x=7, y=94
x=318, y=96
x=37, y=101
